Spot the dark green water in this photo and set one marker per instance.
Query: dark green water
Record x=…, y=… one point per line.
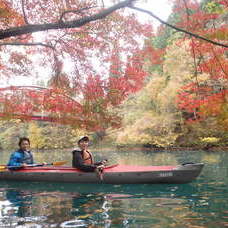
x=203, y=203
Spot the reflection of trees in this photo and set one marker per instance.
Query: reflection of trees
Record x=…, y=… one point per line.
x=27, y=207
x=16, y=204
x=147, y=159
x=146, y=212
x=54, y=205
x=123, y=210
x=115, y=211
x=124, y=206
x=216, y=166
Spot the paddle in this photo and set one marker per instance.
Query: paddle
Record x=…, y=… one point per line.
x=4, y=167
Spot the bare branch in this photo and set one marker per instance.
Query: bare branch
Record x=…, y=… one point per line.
x=179, y=29
x=192, y=46
x=27, y=44
x=35, y=88
x=23, y=10
x=74, y=11
x=16, y=31
x=59, y=39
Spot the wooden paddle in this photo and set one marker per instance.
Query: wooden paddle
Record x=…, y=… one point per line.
x=5, y=167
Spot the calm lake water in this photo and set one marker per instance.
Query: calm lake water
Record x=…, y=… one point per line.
x=202, y=203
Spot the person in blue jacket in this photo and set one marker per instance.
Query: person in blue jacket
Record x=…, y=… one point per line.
x=23, y=156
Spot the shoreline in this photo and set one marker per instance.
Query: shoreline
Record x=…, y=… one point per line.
x=174, y=148
x=141, y=147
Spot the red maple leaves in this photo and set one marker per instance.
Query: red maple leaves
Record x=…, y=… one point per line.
x=205, y=99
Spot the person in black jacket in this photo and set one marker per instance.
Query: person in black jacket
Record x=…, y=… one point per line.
x=83, y=159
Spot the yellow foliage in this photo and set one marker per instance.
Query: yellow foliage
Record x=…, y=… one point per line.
x=178, y=63
x=76, y=133
x=167, y=97
x=220, y=35
x=155, y=86
x=203, y=78
x=36, y=138
x=210, y=140
x=149, y=129
x=85, y=216
x=152, y=117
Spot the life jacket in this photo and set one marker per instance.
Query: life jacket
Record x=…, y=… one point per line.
x=19, y=157
x=89, y=160
x=27, y=158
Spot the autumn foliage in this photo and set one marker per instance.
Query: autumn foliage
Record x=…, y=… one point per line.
x=80, y=60
x=205, y=98
x=95, y=67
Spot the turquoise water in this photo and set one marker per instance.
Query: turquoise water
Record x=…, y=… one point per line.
x=202, y=203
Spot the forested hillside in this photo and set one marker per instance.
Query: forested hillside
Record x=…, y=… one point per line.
x=185, y=98
x=42, y=135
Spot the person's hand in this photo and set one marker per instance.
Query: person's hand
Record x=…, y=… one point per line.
x=100, y=167
x=23, y=164
x=99, y=171
x=44, y=163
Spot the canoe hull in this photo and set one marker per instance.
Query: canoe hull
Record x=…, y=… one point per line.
x=117, y=175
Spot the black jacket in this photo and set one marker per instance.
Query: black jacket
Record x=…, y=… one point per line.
x=78, y=162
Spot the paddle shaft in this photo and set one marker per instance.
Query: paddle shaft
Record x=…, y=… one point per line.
x=34, y=165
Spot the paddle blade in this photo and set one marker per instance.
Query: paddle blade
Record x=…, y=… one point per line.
x=59, y=163
x=3, y=167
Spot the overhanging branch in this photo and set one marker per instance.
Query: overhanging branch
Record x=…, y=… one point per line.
x=16, y=31
x=23, y=10
x=27, y=44
x=178, y=29
x=73, y=11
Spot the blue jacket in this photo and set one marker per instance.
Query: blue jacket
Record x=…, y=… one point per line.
x=19, y=157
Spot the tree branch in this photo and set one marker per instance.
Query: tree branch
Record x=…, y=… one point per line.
x=72, y=11
x=36, y=88
x=178, y=29
x=23, y=10
x=193, y=45
x=16, y=31
x=27, y=44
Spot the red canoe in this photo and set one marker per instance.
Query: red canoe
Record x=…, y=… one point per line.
x=117, y=174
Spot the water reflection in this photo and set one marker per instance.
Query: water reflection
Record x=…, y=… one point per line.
x=74, y=205
x=16, y=209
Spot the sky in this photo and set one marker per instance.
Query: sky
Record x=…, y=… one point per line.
x=161, y=8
